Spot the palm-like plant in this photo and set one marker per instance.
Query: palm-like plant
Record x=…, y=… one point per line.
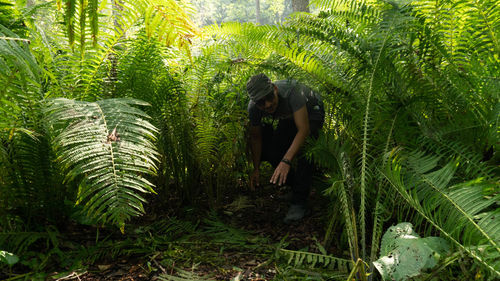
x=465, y=213
x=168, y=19
x=393, y=83
x=88, y=71
x=28, y=181
x=143, y=75
x=218, y=109
x=74, y=74
x=108, y=147
x=390, y=60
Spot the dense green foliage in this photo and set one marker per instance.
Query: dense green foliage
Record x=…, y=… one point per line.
x=91, y=129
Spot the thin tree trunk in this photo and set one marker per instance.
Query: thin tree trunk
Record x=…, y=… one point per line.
x=300, y=5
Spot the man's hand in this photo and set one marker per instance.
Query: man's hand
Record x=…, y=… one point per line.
x=280, y=174
x=254, y=179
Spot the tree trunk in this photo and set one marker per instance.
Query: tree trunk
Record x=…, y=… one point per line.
x=257, y=11
x=300, y=5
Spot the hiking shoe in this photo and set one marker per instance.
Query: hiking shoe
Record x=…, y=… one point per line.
x=295, y=213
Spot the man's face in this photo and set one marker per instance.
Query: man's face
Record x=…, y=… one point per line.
x=269, y=103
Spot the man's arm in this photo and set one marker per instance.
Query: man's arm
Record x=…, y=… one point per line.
x=301, y=120
x=302, y=123
x=256, y=150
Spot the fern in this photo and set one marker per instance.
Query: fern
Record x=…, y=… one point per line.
x=143, y=75
x=168, y=19
x=473, y=166
x=20, y=74
x=299, y=258
x=90, y=73
x=220, y=232
x=469, y=221
x=19, y=242
x=470, y=28
x=30, y=182
x=183, y=275
x=219, y=115
x=108, y=148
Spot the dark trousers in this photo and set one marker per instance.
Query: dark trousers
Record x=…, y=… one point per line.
x=275, y=144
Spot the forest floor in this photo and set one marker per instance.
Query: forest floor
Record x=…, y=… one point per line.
x=241, y=240
x=238, y=242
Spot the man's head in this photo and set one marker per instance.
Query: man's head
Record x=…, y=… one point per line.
x=263, y=92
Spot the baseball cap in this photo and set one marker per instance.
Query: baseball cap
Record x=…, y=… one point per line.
x=259, y=86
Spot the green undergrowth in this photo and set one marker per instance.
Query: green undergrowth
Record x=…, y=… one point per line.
x=215, y=245
x=167, y=248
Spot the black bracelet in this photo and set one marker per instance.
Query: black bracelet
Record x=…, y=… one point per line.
x=286, y=161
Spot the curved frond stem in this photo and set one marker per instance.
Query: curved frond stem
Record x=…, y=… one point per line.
x=379, y=205
x=349, y=219
x=110, y=147
x=462, y=211
x=365, y=142
x=393, y=176
x=491, y=29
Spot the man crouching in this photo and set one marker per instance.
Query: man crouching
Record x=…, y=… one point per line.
x=301, y=113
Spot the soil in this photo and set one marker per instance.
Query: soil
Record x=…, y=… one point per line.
x=260, y=213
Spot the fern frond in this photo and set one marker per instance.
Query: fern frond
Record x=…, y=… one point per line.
x=461, y=212
x=27, y=163
x=220, y=232
x=183, y=275
x=300, y=258
x=16, y=60
x=470, y=27
x=170, y=22
x=143, y=75
x=108, y=146
x=91, y=72
x=388, y=26
x=470, y=157
x=19, y=242
x=167, y=19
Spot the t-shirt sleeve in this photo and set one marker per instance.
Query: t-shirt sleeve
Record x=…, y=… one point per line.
x=298, y=97
x=254, y=114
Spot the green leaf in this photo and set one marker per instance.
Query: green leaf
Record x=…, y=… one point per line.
x=8, y=258
x=109, y=147
x=406, y=255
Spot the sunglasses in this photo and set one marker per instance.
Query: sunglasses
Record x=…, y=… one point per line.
x=262, y=101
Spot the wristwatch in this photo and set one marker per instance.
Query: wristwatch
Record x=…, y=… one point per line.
x=286, y=161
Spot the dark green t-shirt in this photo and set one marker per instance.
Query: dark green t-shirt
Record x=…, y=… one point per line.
x=292, y=96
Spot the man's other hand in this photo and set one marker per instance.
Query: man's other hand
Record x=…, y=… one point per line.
x=254, y=179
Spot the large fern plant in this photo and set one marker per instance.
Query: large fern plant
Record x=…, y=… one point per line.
x=391, y=83
x=144, y=75
x=29, y=181
x=466, y=213
x=108, y=148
